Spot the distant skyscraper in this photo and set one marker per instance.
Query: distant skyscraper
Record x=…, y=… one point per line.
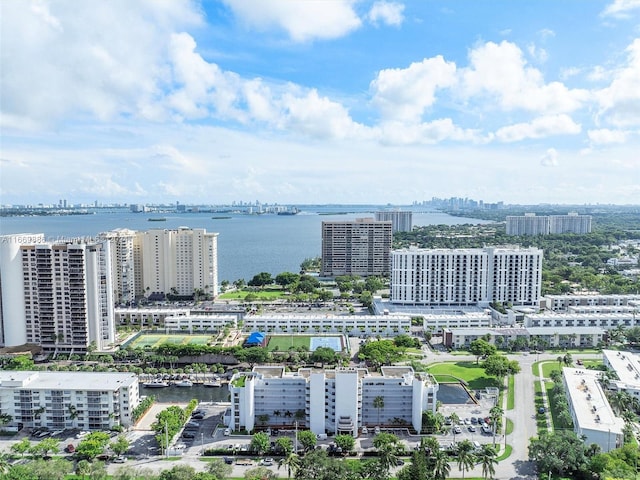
x=466, y=276
x=400, y=221
x=361, y=247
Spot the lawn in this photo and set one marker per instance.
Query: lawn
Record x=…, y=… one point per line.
x=266, y=294
x=472, y=374
x=285, y=342
x=541, y=418
x=550, y=366
x=511, y=398
x=154, y=340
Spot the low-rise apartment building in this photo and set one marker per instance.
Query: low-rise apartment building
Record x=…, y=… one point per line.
x=561, y=303
x=356, y=325
x=59, y=400
x=626, y=365
x=584, y=337
x=330, y=401
x=592, y=415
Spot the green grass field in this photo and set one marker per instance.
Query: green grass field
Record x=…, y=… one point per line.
x=468, y=371
x=266, y=294
x=154, y=340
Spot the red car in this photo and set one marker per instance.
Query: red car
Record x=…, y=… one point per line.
x=70, y=448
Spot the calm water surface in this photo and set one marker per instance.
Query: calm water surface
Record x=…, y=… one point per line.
x=247, y=244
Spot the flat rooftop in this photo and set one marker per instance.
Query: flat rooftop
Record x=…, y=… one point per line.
x=65, y=380
x=626, y=365
x=591, y=407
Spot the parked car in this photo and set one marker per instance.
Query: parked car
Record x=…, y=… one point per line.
x=364, y=430
x=70, y=448
x=457, y=429
x=119, y=459
x=188, y=435
x=267, y=462
x=471, y=428
x=228, y=460
x=227, y=432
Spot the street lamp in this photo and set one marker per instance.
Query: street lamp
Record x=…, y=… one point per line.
x=201, y=443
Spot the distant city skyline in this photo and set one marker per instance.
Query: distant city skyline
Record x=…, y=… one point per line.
x=320, y=102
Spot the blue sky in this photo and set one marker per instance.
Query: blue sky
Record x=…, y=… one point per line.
x=320, y=101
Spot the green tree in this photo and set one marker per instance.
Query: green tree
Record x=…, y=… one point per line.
x=120, y=445
x=19, y=362
x=219, y=469
x=481, y=348
x=561, y=452
x=178, y=472
x=47, y=445
x=323, y=355
x=260, y=280
x=83, y=468
x=440, y=466
x=487, y=457
x=500, y=366
x=259, y=473
x=466, y=457
x=291, y=462
x=284, y=445
x=307, y=439
x=92, y=445
x=345, y=442
x=21, y=447
x=378, y=404
x=260, y=443
x=388, y=446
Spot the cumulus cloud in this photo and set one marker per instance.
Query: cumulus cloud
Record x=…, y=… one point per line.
x=303, y=21
x=550, y=158
x=428, y=133
x=621, y=8
x=607, y=136
x=500, y=72
x=620, y=101
x=389, y=13
x=404, y=94
x=538, y=128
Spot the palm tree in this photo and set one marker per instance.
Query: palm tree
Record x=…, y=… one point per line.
x=378, y=403
x=291, y=462
x=5, y=463
x=440, y=464
x=496, y=419
x=466, y=458
x=487, y=458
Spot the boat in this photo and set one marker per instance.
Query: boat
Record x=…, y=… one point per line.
x=213, y=383
x=155, y=384
x=157, y=219
x=220, y=218
x=291, y=211
x=184, y=383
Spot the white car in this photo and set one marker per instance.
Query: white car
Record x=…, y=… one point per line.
x=227, y=432
x=120, y=459
x=364, y=430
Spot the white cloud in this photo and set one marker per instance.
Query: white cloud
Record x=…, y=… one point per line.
x=390, y=13
x=550, y=158
x=537, y=53
x=428, y=133
x=539, y=128
x=303, y=21
x=620, y=101
x=500, y=72
x=404, y=94
x=70, y=59
x=606, y=136
x=546, y=33
x=621, y=8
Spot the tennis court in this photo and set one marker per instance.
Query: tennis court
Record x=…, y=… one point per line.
x=285, y=342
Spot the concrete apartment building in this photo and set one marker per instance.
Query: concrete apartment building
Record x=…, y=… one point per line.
x=387, y=325
x=59, y=400
x=531, y=224
x=626, y=365
x=180, y=261
x=361, y=247
x=329, y=401
x=466, y=276
x=562, y=303
x=126, y=264
x=592, y=415
x=568, y=337
x=401, y=221
x=57, y=295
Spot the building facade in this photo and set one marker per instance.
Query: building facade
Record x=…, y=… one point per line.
x=361, y=247
x=592, y=415
x=466, y=276
x=401, y=221
x=330, y=401
x=126, y=264
x=59, y=400
x=387, y=325
x=57, y=295
x=530, y=224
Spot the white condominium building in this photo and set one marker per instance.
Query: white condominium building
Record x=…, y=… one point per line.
x=126, y=264
x=592, y=415
x=180, y=261
x=59, y=400
x=359, y=247
x=562, y=303
x=65, y=297
x=387, y=325
x=401, y=221
x=571, y=223
x=466, y=276
x=626, y=365
x=530, y=224
x=330, y=401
